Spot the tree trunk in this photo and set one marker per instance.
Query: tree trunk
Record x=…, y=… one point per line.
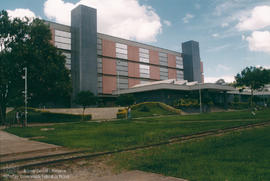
x=3, y=111
x=83, y=114
x=251, y=100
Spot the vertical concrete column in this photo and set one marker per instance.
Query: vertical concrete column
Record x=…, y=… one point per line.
x=84, y=49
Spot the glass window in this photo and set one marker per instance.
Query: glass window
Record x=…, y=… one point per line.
x=144, y=60
x=144, y=66
x=122, y=51
x=62, y=40
x=119, y=55
x=68, y=55
x=144, y=55
x=162, y=54
x=145, y=51
x=62, y=33
x=122, y=46
x=63, y=46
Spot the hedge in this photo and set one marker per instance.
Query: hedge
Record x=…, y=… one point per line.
x=37, y=116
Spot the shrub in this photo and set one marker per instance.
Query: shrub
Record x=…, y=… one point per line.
x=187, y=103
x=144, y=109
x=121, y=114
x=37, y=116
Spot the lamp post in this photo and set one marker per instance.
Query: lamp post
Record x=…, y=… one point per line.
x=25, y=93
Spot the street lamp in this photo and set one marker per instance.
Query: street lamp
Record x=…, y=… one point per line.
x=25, y=93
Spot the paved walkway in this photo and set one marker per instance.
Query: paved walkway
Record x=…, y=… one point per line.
x=12, y=144
x=97, y=113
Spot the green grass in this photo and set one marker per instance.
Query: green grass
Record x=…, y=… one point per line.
x=236, y=156
x=36, y=116
x=107, y=136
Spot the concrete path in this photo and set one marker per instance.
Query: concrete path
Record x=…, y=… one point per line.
x=138, y=176
x=12, y=144
x=97, y=113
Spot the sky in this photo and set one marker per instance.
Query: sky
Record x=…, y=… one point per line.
x=232, y=34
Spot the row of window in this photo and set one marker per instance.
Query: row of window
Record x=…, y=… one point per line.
x=121, y=51
x=144, y=70
x=62, y=39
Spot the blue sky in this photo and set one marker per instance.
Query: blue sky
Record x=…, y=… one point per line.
x=232, y=34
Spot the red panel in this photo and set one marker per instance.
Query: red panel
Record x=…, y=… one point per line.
x=171, y=61
x=153, y=56
x=132, y=82
x=108, y=84
x=108, y=66
x=133, y=69
x=133, y=53
x=202, y=78
x=154, y=72
x=171, y=73
x=202, y=67
x=108, y=48
x=53, y=36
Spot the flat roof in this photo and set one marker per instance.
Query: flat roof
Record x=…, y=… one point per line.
x=172, y=86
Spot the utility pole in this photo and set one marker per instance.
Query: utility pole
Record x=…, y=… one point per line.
x=25, y=93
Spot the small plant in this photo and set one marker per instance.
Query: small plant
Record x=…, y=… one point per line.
x=144, y=109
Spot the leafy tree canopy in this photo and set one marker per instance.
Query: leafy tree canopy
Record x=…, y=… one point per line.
x=253, y=77
x=125, y=99
x=25, y=43
x=85, y=98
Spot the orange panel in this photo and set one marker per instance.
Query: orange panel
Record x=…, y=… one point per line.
x=108, y=48
x=132, y=82
x=133, y=69
x=108, y=84
x=154, y=72
x=171, y=61
x=202, y=67
x=133, y=53
x=108, y=66
x=153, y=56
x=171, y=73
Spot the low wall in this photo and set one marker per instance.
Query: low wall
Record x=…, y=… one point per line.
x=97, y=113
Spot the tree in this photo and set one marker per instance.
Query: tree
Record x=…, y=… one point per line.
x=125, y=99
x=253, y=77
x=85, y=98
x=220, y=81
x=25, y=43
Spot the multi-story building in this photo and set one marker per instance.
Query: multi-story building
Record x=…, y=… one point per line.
x=103, y=64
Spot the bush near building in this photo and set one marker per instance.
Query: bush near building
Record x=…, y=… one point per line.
x=37, y=116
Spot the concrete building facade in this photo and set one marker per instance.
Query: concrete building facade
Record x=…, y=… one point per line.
x=104, y=64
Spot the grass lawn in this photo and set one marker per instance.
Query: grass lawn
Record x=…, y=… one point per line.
x=108, y=136
x=241, y=155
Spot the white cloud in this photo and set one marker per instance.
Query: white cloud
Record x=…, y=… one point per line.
x=223, y=25
x=215, y=35
x=259, y=41
x=259, y=18
x=227, y=78
x=197, y=6
x=221, y=67
x=263, y=66
x=218, y=48
x=122, y=18
x=168, y=23
x=21, y=13
x=187, y=18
